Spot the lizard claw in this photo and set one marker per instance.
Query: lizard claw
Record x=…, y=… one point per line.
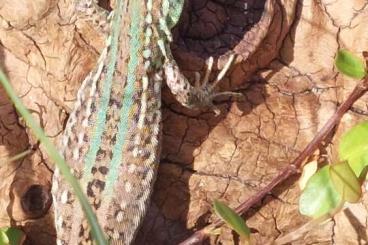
x=209, y=88
x=202, y=94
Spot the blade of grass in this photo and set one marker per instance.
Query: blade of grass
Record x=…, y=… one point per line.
x=53, y=153
x=17, y=157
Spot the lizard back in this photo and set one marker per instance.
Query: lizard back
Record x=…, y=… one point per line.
x=111, y=140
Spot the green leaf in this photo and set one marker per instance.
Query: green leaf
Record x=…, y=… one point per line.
x=353, y=148
x=4, y=239
x=231, y=218
x=10, y=236
x=345, y=182
x=350, y=65
x=319, y=196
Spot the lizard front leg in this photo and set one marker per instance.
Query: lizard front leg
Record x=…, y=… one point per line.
x=201, y=95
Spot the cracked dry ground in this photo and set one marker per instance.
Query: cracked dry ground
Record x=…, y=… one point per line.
x=46, y=54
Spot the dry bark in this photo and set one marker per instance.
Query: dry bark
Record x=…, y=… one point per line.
x=46, y=53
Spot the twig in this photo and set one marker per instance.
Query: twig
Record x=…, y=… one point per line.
x=360, y=89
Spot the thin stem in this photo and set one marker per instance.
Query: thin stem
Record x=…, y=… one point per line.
x=360, y=89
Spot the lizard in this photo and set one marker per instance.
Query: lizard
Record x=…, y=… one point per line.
x=112, y=137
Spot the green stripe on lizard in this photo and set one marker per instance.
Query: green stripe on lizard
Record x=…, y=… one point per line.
x=135, y=45
x=104, y=100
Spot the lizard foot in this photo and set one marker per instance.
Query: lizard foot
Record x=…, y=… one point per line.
x=206, y=91
x=200, y=95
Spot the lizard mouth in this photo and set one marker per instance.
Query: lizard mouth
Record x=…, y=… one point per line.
x=217, y=27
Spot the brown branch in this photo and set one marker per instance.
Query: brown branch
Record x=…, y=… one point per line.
x=360, y=89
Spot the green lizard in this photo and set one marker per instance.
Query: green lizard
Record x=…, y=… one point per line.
x=112, y=137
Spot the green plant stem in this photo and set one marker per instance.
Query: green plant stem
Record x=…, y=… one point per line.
x=51, y=150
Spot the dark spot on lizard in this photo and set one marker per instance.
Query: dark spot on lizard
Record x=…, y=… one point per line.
x=90, y=192
x=101, y=153
x=93, y=108
x=77, y=113
x=74, y=131
x=69, y=143
x=103, y=170
x=115, y=102
x=147, y=121
x=121, y=236
x=99, y=184
x=108, y=117
x=97, y=203
x=130, y=147
x=81, y=231
x=113, y=139
x=110, y=154
x=80, y=150
x=85, y=138
x=90, y=120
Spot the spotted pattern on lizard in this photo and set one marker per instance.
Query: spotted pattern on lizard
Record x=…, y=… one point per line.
x=112, y=137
